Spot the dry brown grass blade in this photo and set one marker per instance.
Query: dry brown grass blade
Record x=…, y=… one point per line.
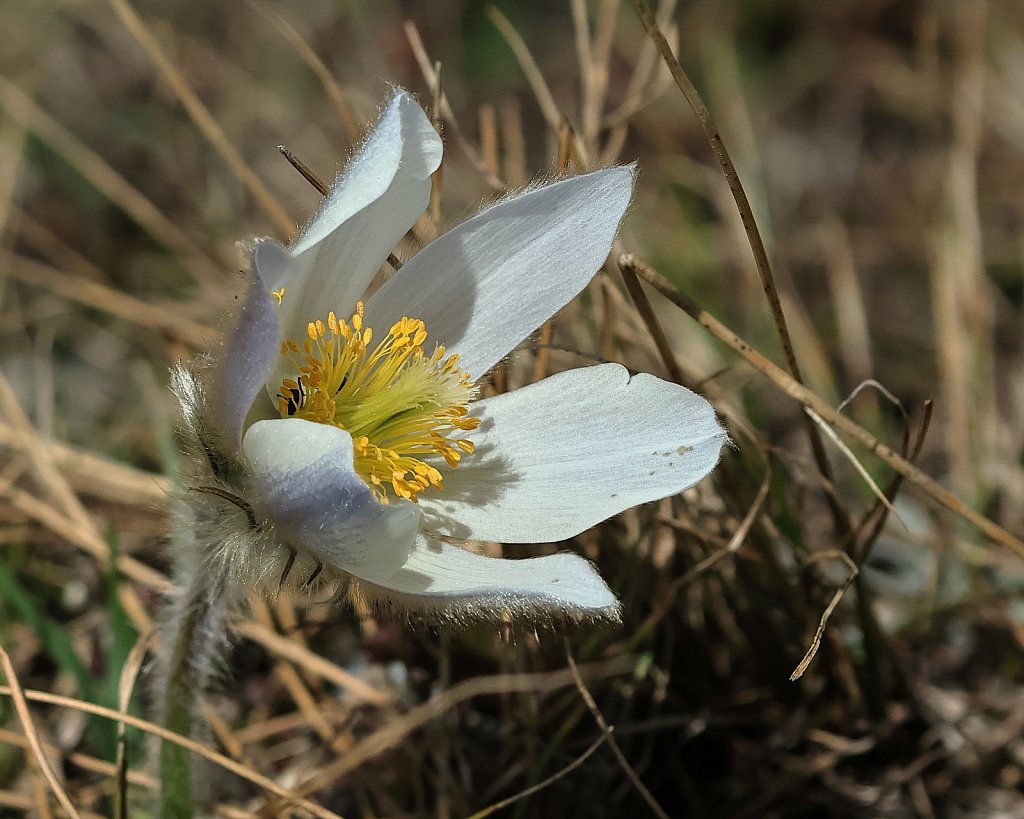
x=643, y=306
x=804, y=396
x=585, y=58
x=641, y=788
x=801, y=667
x=488, y=125
x=514, y=140
x=539, y=86
x=964, y=309
x=636, y=95
x=96, y=476
x=12, y=153
x=296, y=685
x=563, y=164
x=426, y=67
x=714, y=138
x=114, y=302
x=346, y=115
x=125, y=687
x=861, y=470
x=875, y=517
x=302, y=656
x=665, y=601
x=25, y=717
x=104, y=178
x=80, y=760
x=193, y=747
x=89, y=542
x=548, y=108
x=401, y=726
x=757, y=247
x=68, y=516
x=437, y=177
x=594, y=56
x=202, y=117
x=568, y=769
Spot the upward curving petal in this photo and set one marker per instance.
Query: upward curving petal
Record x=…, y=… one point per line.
x=251, y=348
x=445, y=580
x=381, y=193
x=487, y=284
x=561, y=455
x=316, y=502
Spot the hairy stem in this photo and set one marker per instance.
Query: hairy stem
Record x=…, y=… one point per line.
x=196, y=634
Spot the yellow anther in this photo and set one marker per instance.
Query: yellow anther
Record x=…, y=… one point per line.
x=400, y=404
x=278, y=295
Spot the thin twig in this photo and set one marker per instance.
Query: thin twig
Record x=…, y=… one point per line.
x=348, y=119
x=534, y=77
x=757, y=247
x=572, y=766
x=646, y=311
x=159, y=731
x=303, y=169
x=809, y=399
x=202, y=117
x=14, y=690
x=400, y=727
x=631, y=774
x=125, y=687
x=426, y=68
x=816, y=642
x=103, y=177
x=857, y=465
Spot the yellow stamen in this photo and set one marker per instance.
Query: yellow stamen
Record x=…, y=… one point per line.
x=278, y=295
x=401, y=406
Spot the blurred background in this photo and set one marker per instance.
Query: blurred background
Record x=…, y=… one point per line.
x=881, y=144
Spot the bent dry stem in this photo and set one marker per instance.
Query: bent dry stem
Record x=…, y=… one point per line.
x=800, y=393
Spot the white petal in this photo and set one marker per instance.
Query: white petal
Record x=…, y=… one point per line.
x=487, y=284
x=559, y=456
x=315, y=500
x=250, y=352
x=444, y=579
x=384, y=189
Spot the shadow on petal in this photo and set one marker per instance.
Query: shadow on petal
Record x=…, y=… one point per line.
x=480, y=480
x=444, y=580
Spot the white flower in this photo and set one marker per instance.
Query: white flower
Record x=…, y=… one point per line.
x=370, y=455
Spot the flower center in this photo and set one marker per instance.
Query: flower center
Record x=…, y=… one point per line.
x=402, y=407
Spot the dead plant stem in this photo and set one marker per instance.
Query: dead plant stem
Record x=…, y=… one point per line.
x=807, y=398
x=757, y=247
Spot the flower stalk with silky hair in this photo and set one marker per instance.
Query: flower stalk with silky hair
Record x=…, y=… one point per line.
x=342, y=441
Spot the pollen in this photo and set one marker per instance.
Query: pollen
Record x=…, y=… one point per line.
x=403, y=407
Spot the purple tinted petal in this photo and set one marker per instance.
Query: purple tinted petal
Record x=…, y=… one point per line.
x=310, y=492
x=251, y=349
